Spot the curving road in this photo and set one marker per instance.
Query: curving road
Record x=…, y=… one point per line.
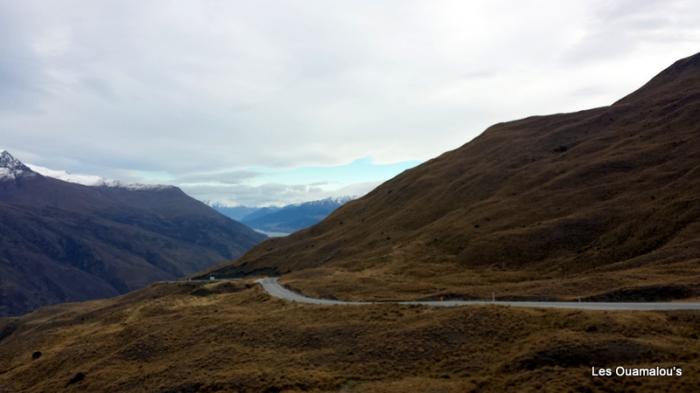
x=274, y=289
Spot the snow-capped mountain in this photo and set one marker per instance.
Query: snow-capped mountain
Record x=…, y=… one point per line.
x=12, y=168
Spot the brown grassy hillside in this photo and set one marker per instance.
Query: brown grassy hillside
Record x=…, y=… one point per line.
x=231, y=337
x=594, y=203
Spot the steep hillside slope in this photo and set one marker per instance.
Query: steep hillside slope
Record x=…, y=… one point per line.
x=61, y=241
x=592, y=201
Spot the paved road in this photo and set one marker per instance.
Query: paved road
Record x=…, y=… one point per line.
x=274, y=289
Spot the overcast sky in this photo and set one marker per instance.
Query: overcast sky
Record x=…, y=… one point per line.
x=260, y=102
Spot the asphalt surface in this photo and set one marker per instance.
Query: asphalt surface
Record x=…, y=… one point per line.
x=274, y=289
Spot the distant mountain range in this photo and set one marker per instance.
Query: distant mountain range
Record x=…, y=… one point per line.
x=235, y=212
x=285, y=219
x=62, y=241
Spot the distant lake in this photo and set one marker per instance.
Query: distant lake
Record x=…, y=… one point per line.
x=272, y=234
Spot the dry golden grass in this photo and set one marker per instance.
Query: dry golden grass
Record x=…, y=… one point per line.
x=231, y=337
x=407, y=282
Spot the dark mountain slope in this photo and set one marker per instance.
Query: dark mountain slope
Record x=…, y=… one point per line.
x=567, y=197
x=61, y=241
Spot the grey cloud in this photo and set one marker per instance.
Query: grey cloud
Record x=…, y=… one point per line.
x=619, y=28
x=101, y=88
x=229, y=177
x=625, y=9
x=590, y=91
x=21, y=75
